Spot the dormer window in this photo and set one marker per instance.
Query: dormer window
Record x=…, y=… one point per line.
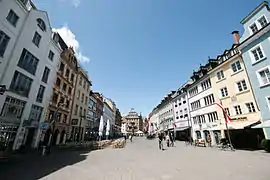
x=262, y=21
x=41, y=24
x=253, y=28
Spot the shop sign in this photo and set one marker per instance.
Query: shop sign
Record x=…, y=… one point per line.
x=239, y=119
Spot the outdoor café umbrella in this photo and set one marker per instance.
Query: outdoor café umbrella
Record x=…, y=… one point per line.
x=101, y=124
x=108, y=127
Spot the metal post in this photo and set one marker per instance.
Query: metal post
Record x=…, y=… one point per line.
x=228, y=133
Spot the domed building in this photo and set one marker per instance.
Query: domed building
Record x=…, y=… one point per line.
x=133, y=122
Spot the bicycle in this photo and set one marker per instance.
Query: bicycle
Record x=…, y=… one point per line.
x=225, y=145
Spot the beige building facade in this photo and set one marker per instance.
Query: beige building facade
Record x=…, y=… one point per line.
x=80, y=106
x=231, y=87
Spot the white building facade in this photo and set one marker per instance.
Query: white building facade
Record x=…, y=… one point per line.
x=202, y=106
x=28, y=69
x=181, y=113
x=166, y=114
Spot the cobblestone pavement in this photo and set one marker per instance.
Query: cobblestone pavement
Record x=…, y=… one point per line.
x=142, y=160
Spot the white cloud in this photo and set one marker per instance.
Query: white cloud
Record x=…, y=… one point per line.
x=70, y=39
x=75, y=3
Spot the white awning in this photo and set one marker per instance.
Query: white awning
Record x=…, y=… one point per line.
x=264, y=124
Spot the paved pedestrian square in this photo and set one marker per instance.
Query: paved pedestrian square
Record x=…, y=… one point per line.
x=142, y=160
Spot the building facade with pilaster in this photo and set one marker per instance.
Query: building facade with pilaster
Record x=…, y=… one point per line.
x=28, y=59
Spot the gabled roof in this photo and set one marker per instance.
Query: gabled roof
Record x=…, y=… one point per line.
x=259, y=7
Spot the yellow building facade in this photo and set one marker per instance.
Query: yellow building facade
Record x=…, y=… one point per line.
x=231, y=87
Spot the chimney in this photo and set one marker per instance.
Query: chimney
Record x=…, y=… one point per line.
x=236, y=37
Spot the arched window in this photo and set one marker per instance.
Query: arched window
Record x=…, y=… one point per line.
x=41, y=24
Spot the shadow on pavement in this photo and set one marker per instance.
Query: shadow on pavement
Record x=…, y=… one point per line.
x=33, y=166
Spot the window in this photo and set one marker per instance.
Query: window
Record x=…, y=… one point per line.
x=23, y=1
x=67, y=73
x=257, y=54
x=62, y=100
x=65, y=87
x=67, y=104
x=206, y=84
x=36, y=39
x=58, y=82
x=45, y=75
x=4, y=39
x=195, y=105
x=80, y=111
x=198, y=135
x=262, y=21
x=193, y=91
x=28, y=62
x=237, y=110
x=84, y=84
x=12, y=18
x=72, y=78
x=212, y=116
x=264, y=76
x=253, y=28
x=85, y=100
x=21, y=84
x=65, y=118
x=236, y=66
x=250, y=107
x=79, y=94
x=175, y=105
x=76, y=109
x=40, y=94
x=12, y=108
x=224, y=92
x=61, y=68
x=208, y=100
x=51, y=55
x=194, y=120
x=41, y=24
x=201, y=119
x=35, y=113
x=69, y=90
x=55, y=98
x=242, y=86
x=82, y=97
x=220, y=75
x=80, y=81
x=227, y=111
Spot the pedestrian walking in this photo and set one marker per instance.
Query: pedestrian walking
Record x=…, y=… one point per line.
x=168, y=140
x=171, y=139
x=160, y=139
x=209, y=140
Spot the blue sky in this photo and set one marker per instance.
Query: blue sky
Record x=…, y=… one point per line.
x=136, y=51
